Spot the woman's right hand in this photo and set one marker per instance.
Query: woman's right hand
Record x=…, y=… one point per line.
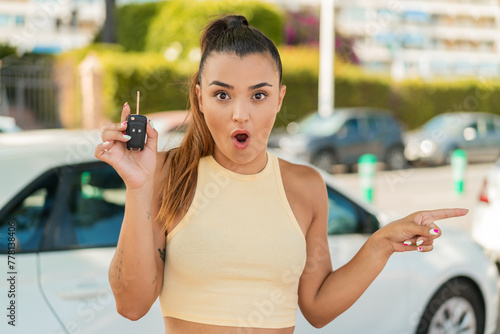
x=135, y=168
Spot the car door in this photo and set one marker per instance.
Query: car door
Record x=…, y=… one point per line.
x=490, y=137
x=349, y=226
x=375, y=136
x=481, y=140
x=471, y=140
x=350, y=141
x=22, y=225
x=81, y=236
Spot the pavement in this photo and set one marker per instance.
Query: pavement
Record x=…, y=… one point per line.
x=403, y=192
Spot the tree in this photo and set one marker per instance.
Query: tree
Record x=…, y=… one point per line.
x=109, y=29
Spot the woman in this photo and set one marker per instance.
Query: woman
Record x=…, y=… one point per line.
x=230, y=237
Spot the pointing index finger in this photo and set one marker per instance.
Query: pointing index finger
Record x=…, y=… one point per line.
x=428, y=217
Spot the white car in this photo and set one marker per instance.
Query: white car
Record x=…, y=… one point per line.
x=486, y=223
x=64, y=208
x=8, y=124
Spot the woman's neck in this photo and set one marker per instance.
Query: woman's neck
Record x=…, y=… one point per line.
x=254, y=166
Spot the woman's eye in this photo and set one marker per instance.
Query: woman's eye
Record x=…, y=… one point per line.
x=222, y=96
x=260, y=96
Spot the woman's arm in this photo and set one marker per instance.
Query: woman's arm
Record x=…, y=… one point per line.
x=136, y=271
x=324, y=294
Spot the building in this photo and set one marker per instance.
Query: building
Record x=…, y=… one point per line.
x=50, y=26
x=425, y=39
x=407, y=38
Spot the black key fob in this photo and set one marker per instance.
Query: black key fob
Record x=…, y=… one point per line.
x=136, y=128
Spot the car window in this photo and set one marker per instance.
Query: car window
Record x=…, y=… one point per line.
x=96, y=206
x=345, y=217
x=490, y=127
x=314, y=124
x=26, y=215
x=349, y=129
x=473, y=126
x=450, y=123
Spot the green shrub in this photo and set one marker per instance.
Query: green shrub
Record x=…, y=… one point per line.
x=6, y=50
x=163, y=85
x=170, y=25
x=133, y=22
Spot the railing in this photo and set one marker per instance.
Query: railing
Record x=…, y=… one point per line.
x=29, y=93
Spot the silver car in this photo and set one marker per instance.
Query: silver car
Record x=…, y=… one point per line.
x=477, y=133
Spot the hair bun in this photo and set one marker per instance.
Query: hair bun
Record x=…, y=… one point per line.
x=236, y=21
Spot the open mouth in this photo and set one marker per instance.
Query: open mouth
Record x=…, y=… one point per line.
x=241, y=139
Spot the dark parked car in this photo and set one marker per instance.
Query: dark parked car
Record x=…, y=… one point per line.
x=477, y=133
x=344, y=137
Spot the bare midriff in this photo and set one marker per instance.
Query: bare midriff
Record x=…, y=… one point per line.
x=178, y=326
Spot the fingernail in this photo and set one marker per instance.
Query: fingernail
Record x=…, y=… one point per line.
x=106, y=142
x=419, y=249
x=420, y=242
x=151, y=122
x=105, y=150
x=125, y=104
x=127, y=137
x=434, y=231
x=407, y=243
x=123, y=123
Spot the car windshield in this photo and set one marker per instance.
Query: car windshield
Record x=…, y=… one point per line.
x=314, y=124
x=446, y=122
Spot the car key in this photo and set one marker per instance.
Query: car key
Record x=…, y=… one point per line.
x=136, y=129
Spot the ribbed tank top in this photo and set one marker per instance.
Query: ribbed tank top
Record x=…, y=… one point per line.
x=236, y=257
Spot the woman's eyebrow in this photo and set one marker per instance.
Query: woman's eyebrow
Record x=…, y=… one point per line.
x=218, y=83
x=225, y=85
x=262, y=84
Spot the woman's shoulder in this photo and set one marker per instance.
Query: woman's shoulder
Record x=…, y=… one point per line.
x=301, y=177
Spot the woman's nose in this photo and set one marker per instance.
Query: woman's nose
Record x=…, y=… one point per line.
x=240, y=112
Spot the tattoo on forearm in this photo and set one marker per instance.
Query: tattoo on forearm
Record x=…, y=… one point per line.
x=162, y=254
x=149, y=214
x=119, y=262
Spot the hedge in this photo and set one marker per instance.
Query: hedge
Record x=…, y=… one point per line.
x=416, y=101
x=164, y=86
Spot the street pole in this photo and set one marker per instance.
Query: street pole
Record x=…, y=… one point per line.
x=326, y=54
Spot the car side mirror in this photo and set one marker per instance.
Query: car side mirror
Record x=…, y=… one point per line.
x=470, y=133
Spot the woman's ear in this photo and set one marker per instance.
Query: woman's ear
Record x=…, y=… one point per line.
x=282, y=96
x=198, y=94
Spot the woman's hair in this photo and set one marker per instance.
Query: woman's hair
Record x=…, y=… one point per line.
x=230, y=35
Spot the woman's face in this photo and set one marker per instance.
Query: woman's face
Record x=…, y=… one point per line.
x=239, y=98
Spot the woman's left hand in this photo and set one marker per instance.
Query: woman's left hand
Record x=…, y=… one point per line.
x=416, y=231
